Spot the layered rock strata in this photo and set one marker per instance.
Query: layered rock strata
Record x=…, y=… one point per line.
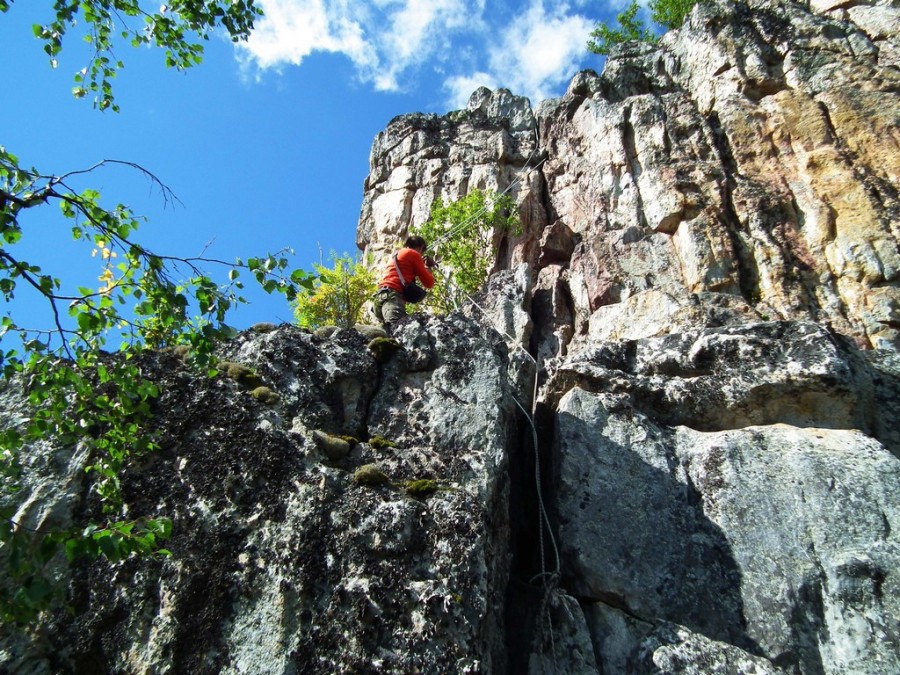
x=747, y=166
x=355, y=523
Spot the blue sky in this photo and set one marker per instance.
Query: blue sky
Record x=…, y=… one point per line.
x=266, y=143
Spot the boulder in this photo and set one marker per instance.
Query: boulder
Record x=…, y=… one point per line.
x=282, y=560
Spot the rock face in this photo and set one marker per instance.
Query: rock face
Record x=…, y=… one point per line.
x=288, y=561
x=665, y=440
x=744, y=505
x=744, y=169
x=710, y=234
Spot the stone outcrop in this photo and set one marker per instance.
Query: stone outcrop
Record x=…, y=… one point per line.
x=665, y=440
x=747, y=167
x=717, y=500
x=710, y=232
x=744, y=505
x=392, y=558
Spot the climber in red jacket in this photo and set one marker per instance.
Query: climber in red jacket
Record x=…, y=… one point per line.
x=407, y=265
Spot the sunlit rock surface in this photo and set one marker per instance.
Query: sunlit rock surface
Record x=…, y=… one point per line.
x=775, y=534
x=748, y=165
x=700, y=319
x=285, y=561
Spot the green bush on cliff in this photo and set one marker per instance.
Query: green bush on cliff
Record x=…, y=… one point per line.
x=667, y=14
x=670, y=13
x=461, y=235
x=338, y=294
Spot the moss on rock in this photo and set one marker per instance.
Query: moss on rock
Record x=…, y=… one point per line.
x=265, y=395
x=380, y=443
x=370, y=475
x=243, y=375
x=421, y=488
x=325, y=332
x=182, y=352
x=383, y=348
x=334, y=448
x=370, y=332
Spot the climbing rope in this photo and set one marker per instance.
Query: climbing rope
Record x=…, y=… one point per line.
x=549, y=578
x=468, y=222
x=460, y=227
x=544, y=517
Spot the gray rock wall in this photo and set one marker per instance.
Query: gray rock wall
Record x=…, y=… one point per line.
x=708, y=227
x=776, y=535
x=287, y=557
x=710, y=483
x=747, y=167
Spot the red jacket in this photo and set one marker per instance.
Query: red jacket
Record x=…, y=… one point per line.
x=412, y=265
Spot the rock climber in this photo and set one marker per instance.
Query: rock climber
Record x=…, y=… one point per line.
x=407, y=265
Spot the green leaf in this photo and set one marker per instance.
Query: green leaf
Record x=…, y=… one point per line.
x=70, y=381
x=47, y=549
x=37, y=589
x=109, y=546
x=161, y=526
x=7, y=286
x=74, y=549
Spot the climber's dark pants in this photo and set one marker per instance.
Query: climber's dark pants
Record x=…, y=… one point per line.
x=389, y=305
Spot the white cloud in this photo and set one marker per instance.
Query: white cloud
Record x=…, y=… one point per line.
x=383, y=38
x=540, y=50
x=291, y=30
x=392, y=43
x=460, y=87
x=418, y=32
x=421, y=21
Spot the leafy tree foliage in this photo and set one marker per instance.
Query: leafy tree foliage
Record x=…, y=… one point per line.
x=178, y=28
x=670, y=13
x=77, y=393
x=630, y=28
x=665, y=13
x=462, y=236
x=338, y=294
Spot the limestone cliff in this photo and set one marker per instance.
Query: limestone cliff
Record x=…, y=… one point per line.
x=666, y=439
x=744, y=169
x=355, y=522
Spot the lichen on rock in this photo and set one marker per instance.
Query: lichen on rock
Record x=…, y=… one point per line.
x=370, y=476
x=700, y=319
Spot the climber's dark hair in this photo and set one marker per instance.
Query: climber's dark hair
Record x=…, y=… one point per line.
x=416, y=242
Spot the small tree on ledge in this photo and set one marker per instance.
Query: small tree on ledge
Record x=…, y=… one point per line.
x=461, y=235
x=668, y=14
